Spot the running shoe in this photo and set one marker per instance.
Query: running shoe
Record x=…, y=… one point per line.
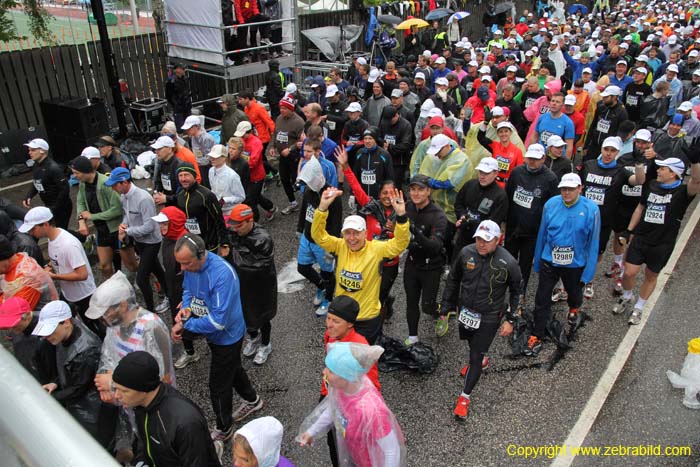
x=572, y=316
x=322, y=310
x=617, y=287
x=292, y=207
x=614, y=270
x=221, y=435
x=461, y=410
x=185, y=359
x=89, y=244
x=409, y=342
x=320, y=296
x=163, y=306
x=622, y=306
x=588, y=291
x=534, y=345
x=559, y=295
x=246, y=408
x=635, y=317
x=262, y=354
x=252, y=346
x=269, y=215
x=484, y=365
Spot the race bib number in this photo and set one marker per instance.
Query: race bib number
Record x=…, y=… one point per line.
x=283, y=137
x=632, y=100
x=470, y=86
x=368, y=177
x=198, y=307
x=529, y=101
x=523, y=198
x=469, y=319
x=655, y=214
x=353, y=139
x=310, y=213
x=596, y=194
x=545, y=136
x=341, y=423
x=350, y=281
x=563, y=255
x=544, y=109
x=503, y=163
x=633, y=191
x=38, y=185
x=192, y=226
x=331, y=125
x=165, y=181
x=391, y=139
x=361, y=92
x=603, y=126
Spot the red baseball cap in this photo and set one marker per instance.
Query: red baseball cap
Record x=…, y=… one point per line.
x=11, y=311
x=240, y=213
x=436, y=121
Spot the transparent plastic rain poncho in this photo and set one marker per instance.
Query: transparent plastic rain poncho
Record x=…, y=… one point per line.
x=366, y=431
x=28, y=273
x=147, y=332
x=475, y=151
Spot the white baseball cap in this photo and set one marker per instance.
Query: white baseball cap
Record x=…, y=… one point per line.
x=291, y=88
x=672, y=40
x=218, y=150
x=396, y=92
x=487, y=230
x=440, y=60
x=611, y=91
x=35, y=216
x=693, y=53
x=442, y=82
x=485, y=70
x=163, y=142
x=673, y=163
x=419, y=75
x=354, y=223
x=535, y=151
x=641, y=70
x=643, y=134
x=556, y=141
x=621, y=62
x=486, y=78
x=38, y=143
x=332, y=90
x=437, y=142
x=191, y=121
x=435, y=112
x=612, y=142
x=497, y=111
x=512, y=68
x=473, y=63
x=374, y=74
x=672, y=67
x=243, y=128
x=624, y=45
x=697, y=72
x=570, y=180
x=587, y=70
x=505, y=124
x=570, y=99
x=685, y=106
x=161, y=217
x=50, y=316
x=91, y=152
x=354, y=107
x=487, y=165
x=362, y=61
x=642, y=58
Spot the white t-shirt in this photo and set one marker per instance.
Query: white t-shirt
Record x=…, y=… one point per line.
x=67, y=254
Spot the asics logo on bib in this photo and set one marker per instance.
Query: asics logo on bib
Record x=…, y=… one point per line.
x=350, y=281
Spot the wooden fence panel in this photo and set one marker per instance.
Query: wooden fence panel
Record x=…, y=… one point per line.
x=24, y=92
x=40, y=76
x=18, y=116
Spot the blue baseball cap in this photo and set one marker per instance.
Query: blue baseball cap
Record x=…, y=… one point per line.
x=678, y=119
x=120, y=174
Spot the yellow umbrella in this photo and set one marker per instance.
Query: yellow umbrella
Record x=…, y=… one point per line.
x=412, y=22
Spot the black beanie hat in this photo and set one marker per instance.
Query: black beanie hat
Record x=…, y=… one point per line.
x=138, y=371
x=345, y=307
x=6, y=248
x=82, y=165
x=187, y=167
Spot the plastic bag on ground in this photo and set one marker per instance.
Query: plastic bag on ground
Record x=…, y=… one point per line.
x=397, y=356
x=689, y=379
x=289, y=280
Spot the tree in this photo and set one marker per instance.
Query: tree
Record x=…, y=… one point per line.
x=39, y=20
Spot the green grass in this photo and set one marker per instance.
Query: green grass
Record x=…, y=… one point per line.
x=65, y=30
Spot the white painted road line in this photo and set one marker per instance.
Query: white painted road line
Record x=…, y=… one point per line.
x=583, y=425
x=16, y=185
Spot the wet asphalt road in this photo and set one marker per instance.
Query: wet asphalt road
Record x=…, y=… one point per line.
x=518, y=402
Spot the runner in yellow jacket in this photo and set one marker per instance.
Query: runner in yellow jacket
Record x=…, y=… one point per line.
x=357, y=270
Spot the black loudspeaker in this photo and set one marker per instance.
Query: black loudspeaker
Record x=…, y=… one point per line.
x=12, y=148
x=72, y=123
